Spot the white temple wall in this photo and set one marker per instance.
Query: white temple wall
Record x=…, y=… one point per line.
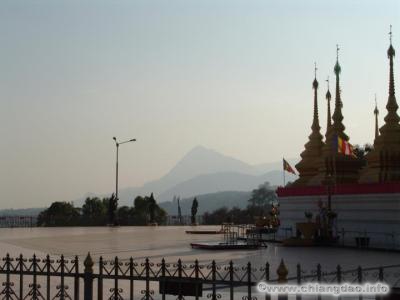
x=374, y=215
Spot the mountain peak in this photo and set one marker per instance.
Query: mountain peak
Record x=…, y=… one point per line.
x=200, y=150
x=201, y=160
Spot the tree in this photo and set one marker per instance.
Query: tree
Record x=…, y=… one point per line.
x=59, y=214
x=152, y=208
x=217, y=217
x=93, y=207
x=125, y=215
x=147, y=210
x=179, y=212
x=195, y=206
x=261, y=199
x=112, y=208
x=359, y=151
x=94, y=212
x=368, y=148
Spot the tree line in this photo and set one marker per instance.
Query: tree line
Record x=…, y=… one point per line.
x=146, y=211
x=263, y=201
x=101, y=212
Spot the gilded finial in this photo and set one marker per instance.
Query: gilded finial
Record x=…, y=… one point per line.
x=337, y=52
x=328, y=93
x=391, y=51
x=315, y=82
x=315, y=70
x=337, y=68
x=376, y=111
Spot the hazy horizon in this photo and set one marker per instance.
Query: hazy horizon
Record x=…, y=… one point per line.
x=233, y=76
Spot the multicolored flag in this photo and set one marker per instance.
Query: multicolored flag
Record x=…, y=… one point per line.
x=342, y=146
x=287, y=167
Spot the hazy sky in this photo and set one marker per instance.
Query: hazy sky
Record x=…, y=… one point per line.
x=234, y=76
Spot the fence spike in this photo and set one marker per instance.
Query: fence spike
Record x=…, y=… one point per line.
x=359, y=274
x=196, y=268
x=380, y=274
x=319, y=272
x=298, y=269
x=282, y=272
x=339, y=273
x=88, y=263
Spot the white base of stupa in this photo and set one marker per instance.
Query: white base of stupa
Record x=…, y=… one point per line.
x=376, y=216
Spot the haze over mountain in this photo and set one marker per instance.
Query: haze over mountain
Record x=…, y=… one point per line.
x=218, y=182
x=203, y=171
x=208, y=202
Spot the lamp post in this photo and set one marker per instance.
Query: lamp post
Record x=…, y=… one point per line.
x=116, y=169
x=328, y=182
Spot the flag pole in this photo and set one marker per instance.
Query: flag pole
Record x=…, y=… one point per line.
x=334, y=153
x=283, y=170
x=334, y=166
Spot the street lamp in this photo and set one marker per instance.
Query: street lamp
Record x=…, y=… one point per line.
x=116, y=169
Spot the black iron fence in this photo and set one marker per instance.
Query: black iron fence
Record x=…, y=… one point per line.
x=60, y=278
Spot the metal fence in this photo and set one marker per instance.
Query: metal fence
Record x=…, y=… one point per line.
x=18, y=221
x=60, y=278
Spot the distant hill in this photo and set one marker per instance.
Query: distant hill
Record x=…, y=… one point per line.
x=203, y=171
x=218, y=182
x=21, y=212
x=209, y=202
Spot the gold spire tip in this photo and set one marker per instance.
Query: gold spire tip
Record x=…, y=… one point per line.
x=337, y=52
x=315, y=69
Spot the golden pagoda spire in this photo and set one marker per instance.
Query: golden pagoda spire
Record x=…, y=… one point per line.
x=344, y=167
x=308, y=166
x=328, y=97
x=315, y=125
x=376, y=113
x=392, y=118
x=337, y=114
x=384, y=160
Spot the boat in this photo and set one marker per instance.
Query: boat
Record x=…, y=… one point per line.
x=224, y=246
